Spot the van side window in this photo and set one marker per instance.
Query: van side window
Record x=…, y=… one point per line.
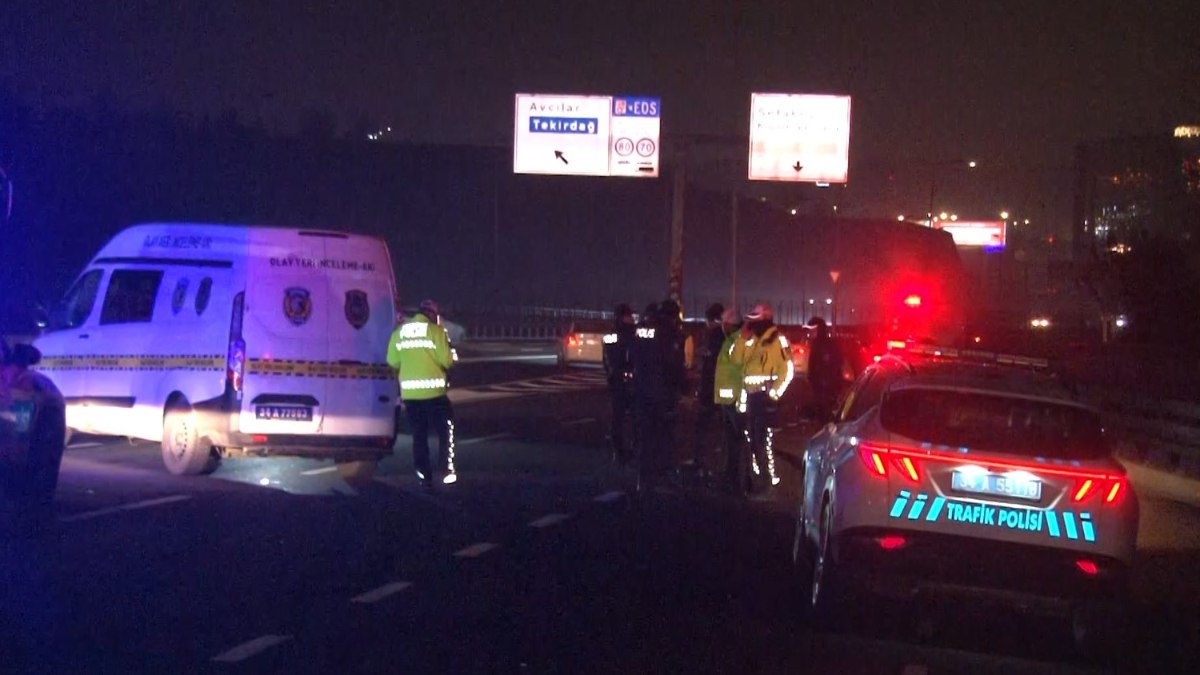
x=179, y=295
x=77, y=304
x=202, y=295
x=130, y=296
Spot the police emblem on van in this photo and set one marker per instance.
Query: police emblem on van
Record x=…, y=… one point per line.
x=297, y=305
x=358, y=312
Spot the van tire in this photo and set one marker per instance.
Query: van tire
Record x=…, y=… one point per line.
x=184, y=451
x=357, y=472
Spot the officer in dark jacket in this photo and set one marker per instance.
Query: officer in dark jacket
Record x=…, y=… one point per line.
x=618, y=367
x=706, y=406
x=670, y=319
x=653, y=397
x=824, y=370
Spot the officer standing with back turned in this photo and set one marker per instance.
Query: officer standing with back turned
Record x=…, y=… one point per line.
x=420, y=350
x=618, y=371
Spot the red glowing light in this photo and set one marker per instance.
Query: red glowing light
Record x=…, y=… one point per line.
x=913, y=301
x=1114, y=492
x=892, y=542
x=1085, y=489
x=1087, y=567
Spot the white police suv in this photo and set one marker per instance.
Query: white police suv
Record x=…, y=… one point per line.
x=978, y=475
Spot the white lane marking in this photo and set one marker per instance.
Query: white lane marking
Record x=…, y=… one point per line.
x=609, y=496
x=375, y=595
x=484, y=439
x=915, y=669
x=585, y=420
x=549, y=519
x=475, y=550
x=248, y=649
x=149, y=503
x=80, y=446
x=317, y=472
x=470, y=395
x=512, y=357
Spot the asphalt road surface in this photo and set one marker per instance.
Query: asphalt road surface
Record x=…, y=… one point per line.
x=541, y=560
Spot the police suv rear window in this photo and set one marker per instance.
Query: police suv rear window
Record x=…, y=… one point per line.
x=994, y=422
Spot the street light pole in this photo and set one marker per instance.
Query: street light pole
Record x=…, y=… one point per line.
x=733, y=245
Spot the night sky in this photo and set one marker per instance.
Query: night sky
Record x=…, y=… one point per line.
x=1015, y=84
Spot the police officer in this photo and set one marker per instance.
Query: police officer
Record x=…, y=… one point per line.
x=727, y=389
x=706, y=401
x=767, y=371
x=650, y=354
x=618, y=369
x=420, y=350
x=824, y=370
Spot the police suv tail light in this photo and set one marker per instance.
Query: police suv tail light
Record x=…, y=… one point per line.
x=572, y=340
x=878, y=457
x=1116, y=490
x=873, y=457
x=908, y=469
x=1083, y=489
x=892, y=542
x=1088, y=567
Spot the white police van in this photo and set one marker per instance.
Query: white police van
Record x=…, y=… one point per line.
x=222, y=340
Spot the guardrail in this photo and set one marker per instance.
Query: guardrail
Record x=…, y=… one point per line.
x=516, y=331
x=1164, y=433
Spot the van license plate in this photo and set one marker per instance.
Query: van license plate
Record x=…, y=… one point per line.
x=290, y=413
x=996, y=484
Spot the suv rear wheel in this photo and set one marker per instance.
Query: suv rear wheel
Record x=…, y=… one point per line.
x=827, y=594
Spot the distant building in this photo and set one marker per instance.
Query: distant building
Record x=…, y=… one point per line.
x=1135, y=187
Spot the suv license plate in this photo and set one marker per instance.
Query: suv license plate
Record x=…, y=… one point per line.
x=996, y=484
x=288, y=413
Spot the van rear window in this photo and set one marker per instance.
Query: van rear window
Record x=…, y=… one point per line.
x=994, y=422
x=130, y=297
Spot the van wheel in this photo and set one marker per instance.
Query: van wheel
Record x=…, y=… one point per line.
x=184, y=452
x=357, y=472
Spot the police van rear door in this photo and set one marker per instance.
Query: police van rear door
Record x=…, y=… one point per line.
x=285, y=328
x=361, y=317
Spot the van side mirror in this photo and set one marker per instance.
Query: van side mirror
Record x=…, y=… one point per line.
x=24, y=356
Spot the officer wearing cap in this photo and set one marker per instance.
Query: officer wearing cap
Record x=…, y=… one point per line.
x=767, y=371
x=618, y=370
x=420, y=350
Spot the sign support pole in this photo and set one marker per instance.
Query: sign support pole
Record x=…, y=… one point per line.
x=679, y=184
x=733, y=245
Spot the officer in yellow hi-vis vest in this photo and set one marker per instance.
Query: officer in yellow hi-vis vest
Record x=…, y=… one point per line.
x=767, y=371
x=420, y=350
